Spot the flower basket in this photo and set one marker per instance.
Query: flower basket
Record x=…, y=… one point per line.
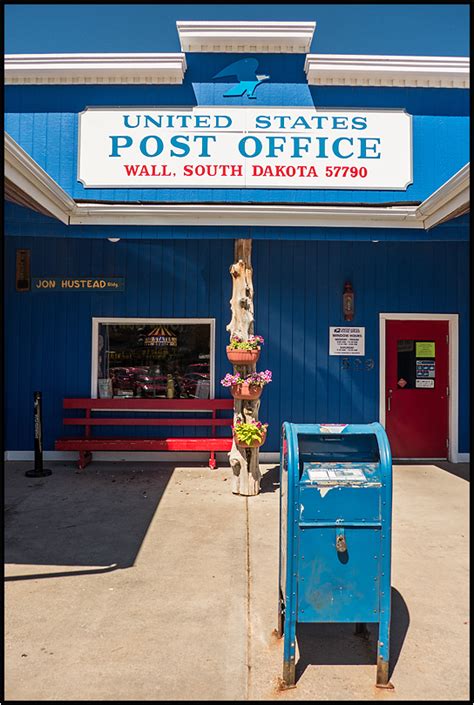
x=246, y=391
x=253, y=444
x=242, y=357
x=250, y=434
x=248, y=386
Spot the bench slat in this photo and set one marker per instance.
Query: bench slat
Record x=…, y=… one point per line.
x=137, y=404
x=95, y=444
x=146, y=422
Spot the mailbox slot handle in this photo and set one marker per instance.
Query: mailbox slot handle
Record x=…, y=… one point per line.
x=347, y=524
x=341, y=546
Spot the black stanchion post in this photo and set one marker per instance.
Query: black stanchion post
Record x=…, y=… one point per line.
x=38, y=470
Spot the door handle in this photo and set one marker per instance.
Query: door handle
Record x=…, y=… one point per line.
x=389, y=399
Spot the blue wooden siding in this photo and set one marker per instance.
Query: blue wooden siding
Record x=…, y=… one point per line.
x=21, y=221
x=440, y=149
x=44, y=121
x=298, y=289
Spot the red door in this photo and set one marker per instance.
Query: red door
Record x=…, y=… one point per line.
x=416, y=393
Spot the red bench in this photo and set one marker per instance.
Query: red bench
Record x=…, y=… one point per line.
x=88, y=443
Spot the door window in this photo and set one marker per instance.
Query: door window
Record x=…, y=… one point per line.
x=416, y=364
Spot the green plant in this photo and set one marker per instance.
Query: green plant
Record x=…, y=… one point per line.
x=249, y=432
x=238, y=343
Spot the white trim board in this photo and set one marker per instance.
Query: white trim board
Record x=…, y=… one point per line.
x=130, y=456
x=161, y=457
x=247, y=215
x=100, y=68
x=387, y=71
x=29, y=178
x=246, y=36
x=453, y=332
x=33, y=181
x=238, y=37
x=115, y=456
x=450, y=198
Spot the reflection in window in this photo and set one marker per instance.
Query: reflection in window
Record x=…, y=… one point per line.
x=154, y=360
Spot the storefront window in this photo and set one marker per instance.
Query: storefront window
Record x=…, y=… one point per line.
x=162, y=358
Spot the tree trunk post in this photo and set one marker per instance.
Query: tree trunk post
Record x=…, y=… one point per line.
x=244, y=461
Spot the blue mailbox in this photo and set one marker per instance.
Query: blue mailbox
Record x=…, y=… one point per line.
x=335, y=532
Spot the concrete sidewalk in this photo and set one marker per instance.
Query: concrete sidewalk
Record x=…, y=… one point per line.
x=149, y=582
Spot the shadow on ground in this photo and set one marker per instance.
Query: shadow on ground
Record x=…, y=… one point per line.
x=270, y=481
x=336, y=644
x=98, y=517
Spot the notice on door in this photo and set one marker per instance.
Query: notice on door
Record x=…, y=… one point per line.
x=424, y=383
x=425, y=368
x=346, y=340
x=425, y=349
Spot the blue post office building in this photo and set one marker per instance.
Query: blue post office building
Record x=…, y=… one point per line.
x=129, y=177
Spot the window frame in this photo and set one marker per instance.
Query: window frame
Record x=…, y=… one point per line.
x=152, y=321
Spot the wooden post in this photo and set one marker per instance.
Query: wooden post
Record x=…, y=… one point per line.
x=244, y=462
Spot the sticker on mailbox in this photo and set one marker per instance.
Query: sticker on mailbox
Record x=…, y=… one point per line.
x=336, y=475
x=332, y=427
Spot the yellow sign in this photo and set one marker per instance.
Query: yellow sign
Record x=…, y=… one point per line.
x=425, y=349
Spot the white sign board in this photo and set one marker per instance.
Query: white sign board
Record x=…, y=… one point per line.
x=239, y=147
x=424, y=384
x=346, y=340
x=332, y=427
x=331, y=475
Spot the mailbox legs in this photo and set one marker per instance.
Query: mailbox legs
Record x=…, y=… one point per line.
x=287, y=628
x=281, y=617
x=289, y=650
x=383, y=651
x=289, y=676
x=382, y=674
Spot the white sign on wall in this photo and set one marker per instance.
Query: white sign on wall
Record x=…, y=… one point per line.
x=346, y=340
x=245, y=147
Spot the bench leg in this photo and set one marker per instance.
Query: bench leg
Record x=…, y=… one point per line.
x=212, y=461
x=85, y=457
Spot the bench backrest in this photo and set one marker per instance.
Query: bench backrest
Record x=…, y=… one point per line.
x=147, y=405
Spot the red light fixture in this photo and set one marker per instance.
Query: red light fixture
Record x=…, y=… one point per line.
x=348, y=301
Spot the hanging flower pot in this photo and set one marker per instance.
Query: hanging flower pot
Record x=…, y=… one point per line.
x=252, y=444
x=244, y=352
x=246, y=391
x=242, y=357
x=250, y=435
x=248, y=387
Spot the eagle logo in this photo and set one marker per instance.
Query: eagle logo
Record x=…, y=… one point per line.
x=245, y=71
